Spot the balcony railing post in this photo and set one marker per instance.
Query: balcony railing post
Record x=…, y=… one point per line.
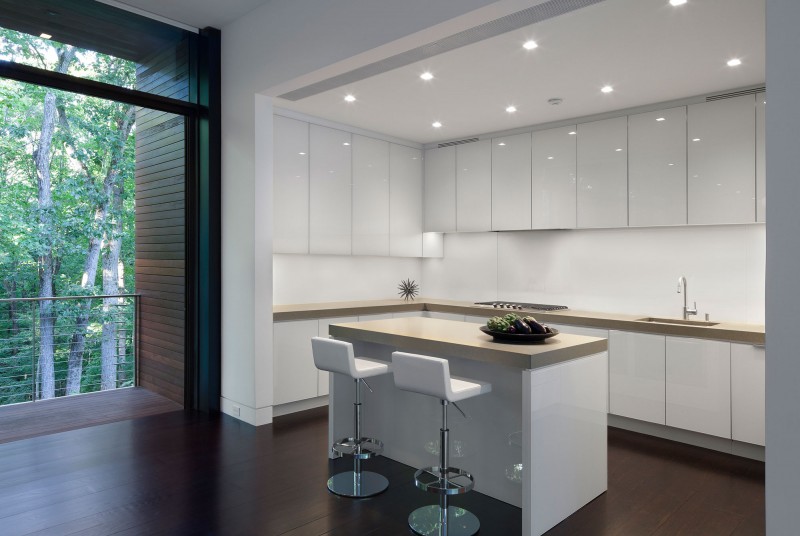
x=135, y=338
x=34, y=383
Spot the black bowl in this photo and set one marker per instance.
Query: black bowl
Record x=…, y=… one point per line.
x=518, y=337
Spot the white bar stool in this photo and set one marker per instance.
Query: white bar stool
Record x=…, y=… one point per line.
x=337, y=356
x=431, y=376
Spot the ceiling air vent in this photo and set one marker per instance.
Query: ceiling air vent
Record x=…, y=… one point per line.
x=459, y=142
x=733, y=94
x=514, y=21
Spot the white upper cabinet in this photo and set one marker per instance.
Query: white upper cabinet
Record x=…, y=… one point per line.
x=748, y=393
x=553, y=178
x=331, y=191
x=474, y=186
x=722, y=161
x=370, y=196
x=290, y=186
x=761, y=171
x=636, y=376
x=511, y=182
x=603, y=173
x=440, y=190
x=405, y=201
x=657, y=168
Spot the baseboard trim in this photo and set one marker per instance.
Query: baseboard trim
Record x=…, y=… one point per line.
x=300, y=405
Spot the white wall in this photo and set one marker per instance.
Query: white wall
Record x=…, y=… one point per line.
x=783, y=266
x=615, y=270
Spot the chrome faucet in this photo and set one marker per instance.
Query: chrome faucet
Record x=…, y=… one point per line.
x=686, y=311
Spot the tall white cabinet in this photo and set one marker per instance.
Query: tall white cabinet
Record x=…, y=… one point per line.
x=553, y=181
x=370, y=196
x=657, y=168
x=474, y=186
x=440, y=190
x=603, y=173
x=722, y=161
x=290, y=186
x=405, y=201
x=331, y=193
x=761, y=158
x=511, y=182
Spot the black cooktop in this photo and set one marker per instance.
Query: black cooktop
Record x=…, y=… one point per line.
x=522, y=305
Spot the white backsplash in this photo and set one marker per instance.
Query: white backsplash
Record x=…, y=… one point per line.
x=631, y=270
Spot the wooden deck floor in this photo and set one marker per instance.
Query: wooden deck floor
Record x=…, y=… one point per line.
x=32, y=419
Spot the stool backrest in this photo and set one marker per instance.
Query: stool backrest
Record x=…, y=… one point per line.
x=422, y=374
x=334, y=356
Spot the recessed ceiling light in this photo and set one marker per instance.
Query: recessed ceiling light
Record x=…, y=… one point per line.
x=606, y=89
x=427, y=75
x=695, y=139
x=530, y=45
x=549, y=157
x=436, y=124
x=302, y=154
x=734, y=62
x=349, y=98
x=661, y=119
x=346, y=143
x=502, y=144
x=572, y=133
x=618, y=150
x=45, y=35
x=677, y=2
x=511, y=109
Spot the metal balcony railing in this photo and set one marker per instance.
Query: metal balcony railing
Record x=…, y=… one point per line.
x=67, y=345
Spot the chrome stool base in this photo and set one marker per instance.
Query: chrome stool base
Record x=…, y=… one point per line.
x=452, y=481
x=352, y=484
x=430, y=521
x=362, y=449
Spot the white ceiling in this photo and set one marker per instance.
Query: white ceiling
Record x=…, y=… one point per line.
x=196, y=13
x=647, y=50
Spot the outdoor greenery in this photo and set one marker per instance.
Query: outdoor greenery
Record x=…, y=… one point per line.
x=66, y=226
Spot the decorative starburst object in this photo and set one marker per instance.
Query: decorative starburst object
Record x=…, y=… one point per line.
x=408, y=289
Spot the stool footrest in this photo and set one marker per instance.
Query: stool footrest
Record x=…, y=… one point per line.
x=451, y=481
x=362, y=448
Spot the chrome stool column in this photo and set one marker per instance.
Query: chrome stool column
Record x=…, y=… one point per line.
x=431, y=376
x=337, y=356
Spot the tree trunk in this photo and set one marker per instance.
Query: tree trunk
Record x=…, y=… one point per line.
x=111, y=309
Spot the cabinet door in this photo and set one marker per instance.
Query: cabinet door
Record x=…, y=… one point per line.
x=444, y=316
x=405, y=201
x=603, y=173
x=379, y=316
x=474, y=186
x=636, y=376
x=511, y=183
x=323, y=375
x=699, y=385
x=554, y=188
x=294, y=373
x=440, y=190
x=290, y=186
x=657, y=168
x=748, y=389
x=722, y=161
x=331, y=191
x=370, y=196
x=761, y=158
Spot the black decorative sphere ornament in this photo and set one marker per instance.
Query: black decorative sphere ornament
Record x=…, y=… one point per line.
x=408, y=289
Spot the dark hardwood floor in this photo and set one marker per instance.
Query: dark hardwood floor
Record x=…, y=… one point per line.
x=183, y=474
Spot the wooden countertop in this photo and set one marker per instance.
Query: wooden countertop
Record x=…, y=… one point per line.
x=433, y=336
x=726, y=331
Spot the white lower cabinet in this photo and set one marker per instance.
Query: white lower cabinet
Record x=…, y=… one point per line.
x=444, y=316
x=637, y=376
x=698, y=385
x=748, y=389
x=294, y=374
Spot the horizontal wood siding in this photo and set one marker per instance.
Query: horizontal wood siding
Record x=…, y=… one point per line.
x=161, y=227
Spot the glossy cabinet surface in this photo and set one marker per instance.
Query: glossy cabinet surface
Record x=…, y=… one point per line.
x=637, y=376
x=698, y=390
x=370, y=196
x=603, y=173
x=290, y=186
x=331, y=191
x=553, y=180
x=657, y=168
x=748, y=393
x=511, y=182
x=440, y=190
x=405, y=201
x=323, y=376
x=722, y=161
x=761, y=157
x=294, y=373
x=474, y=186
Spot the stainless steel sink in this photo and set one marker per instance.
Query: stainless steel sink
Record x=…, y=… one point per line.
x=677, y=321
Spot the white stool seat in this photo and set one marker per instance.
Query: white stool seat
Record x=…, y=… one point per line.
x=337, y=356
x=431, y=376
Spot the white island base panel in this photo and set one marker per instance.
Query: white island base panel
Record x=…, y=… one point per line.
x=550, y=419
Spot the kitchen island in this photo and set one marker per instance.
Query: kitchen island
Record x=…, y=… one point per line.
x=537, y=441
